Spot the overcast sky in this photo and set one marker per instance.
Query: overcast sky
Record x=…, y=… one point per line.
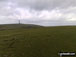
x=41, y=12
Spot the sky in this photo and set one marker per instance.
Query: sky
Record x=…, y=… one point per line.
x=41, y=12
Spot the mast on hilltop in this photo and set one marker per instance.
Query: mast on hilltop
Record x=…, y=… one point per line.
x=19, y=22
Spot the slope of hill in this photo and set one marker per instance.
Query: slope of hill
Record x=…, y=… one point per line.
x=15, y=26
x=40, y=42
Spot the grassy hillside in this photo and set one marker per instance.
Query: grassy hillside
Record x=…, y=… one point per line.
x=40, y=42
x=17, y=26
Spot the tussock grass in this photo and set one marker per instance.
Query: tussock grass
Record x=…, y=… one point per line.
x=39, y=42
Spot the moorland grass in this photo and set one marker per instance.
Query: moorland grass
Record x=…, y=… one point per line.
x=37, y=42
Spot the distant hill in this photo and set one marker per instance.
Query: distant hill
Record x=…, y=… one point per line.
x=15, y=26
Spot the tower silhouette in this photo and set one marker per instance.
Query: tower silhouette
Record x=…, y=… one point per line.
x=19, y=22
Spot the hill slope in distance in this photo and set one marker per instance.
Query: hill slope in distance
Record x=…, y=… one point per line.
x=15, y=26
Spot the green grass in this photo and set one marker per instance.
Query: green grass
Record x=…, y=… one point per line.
x=37, y=42
x=17, y=26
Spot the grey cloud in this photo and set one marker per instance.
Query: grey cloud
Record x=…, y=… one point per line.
x=2, y=0
x=36, y=6
x=46, y=4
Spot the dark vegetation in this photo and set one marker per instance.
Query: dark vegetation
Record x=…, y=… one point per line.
x=19, y=41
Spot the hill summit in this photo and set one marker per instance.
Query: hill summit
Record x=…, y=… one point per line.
x=15, y=26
